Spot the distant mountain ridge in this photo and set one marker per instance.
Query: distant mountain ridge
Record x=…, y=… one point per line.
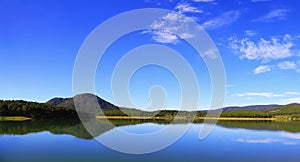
x=68, y=102
x=259, y=108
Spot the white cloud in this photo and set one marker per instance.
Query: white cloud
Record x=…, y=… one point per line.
x=186, y=7
x=262, y=69
x=291, y=135
x=173, y=26
x=170, y=28
x=266, y=94
x=260, y=1
x=258, y=94
x=250, y=33
x=272, y=140
x=225, y=19
x=290, y=143
x=291, y=93
x=298, y=70
x=291, y=100
x=277, y=14
x=230, y=85
x=268, y=140
x=287, y=65
x=263, y=50
x=164, y=37
x=287, y=37
x=185, y=35
x=207, y=1
x=284, y=98
x=211, y=53
x=263, y=141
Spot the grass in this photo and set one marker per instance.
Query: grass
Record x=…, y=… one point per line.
x=14, y=118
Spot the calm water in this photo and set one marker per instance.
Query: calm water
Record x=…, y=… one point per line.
x=230, y=141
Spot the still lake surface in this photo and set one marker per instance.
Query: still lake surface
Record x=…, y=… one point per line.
x=230, y=141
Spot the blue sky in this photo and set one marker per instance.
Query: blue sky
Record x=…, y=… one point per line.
x=258, y=41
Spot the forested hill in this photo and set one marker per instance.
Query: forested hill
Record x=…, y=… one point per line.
x=285, y=111
x=259, y=108
x=34, y=110
x=56, y=107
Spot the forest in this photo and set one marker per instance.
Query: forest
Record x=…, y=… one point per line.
x=34, y=110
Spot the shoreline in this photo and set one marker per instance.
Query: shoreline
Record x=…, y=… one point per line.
x=22, y=118
x=196, y=118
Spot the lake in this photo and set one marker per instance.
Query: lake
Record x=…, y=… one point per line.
x=230, y=141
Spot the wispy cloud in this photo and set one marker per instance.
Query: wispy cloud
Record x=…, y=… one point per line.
x=210, y=53
x=262, y=50
x=224, y=19
x=258, y=94
x=262, y=69
x=250, y=33
x=277, y=14
x=206, y=1
x=260, y=1
x=291, y=135
x=286, y=65
x=230, y=85
x=266, y=50
x=266, y=94
x=291, y=100
x=266, y=141
x=291, y=93
x=186, y=7
x=170, y=28
x=173, y=26
x=164, y=37
x=262, y=141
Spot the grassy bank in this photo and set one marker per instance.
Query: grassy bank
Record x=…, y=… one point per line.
x=14, y=118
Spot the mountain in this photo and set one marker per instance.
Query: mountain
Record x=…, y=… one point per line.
x=257, y=108
x=83, y=101
x=57, y=101
x=260, y=108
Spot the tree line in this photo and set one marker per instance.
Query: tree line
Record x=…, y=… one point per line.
x=34, y=110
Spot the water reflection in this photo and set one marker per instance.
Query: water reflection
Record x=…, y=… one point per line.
x=288, y=126
x=63, y=140
x=76, y=129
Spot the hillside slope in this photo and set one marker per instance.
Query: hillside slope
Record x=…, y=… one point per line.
x=86, y=99
x=259, y=108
